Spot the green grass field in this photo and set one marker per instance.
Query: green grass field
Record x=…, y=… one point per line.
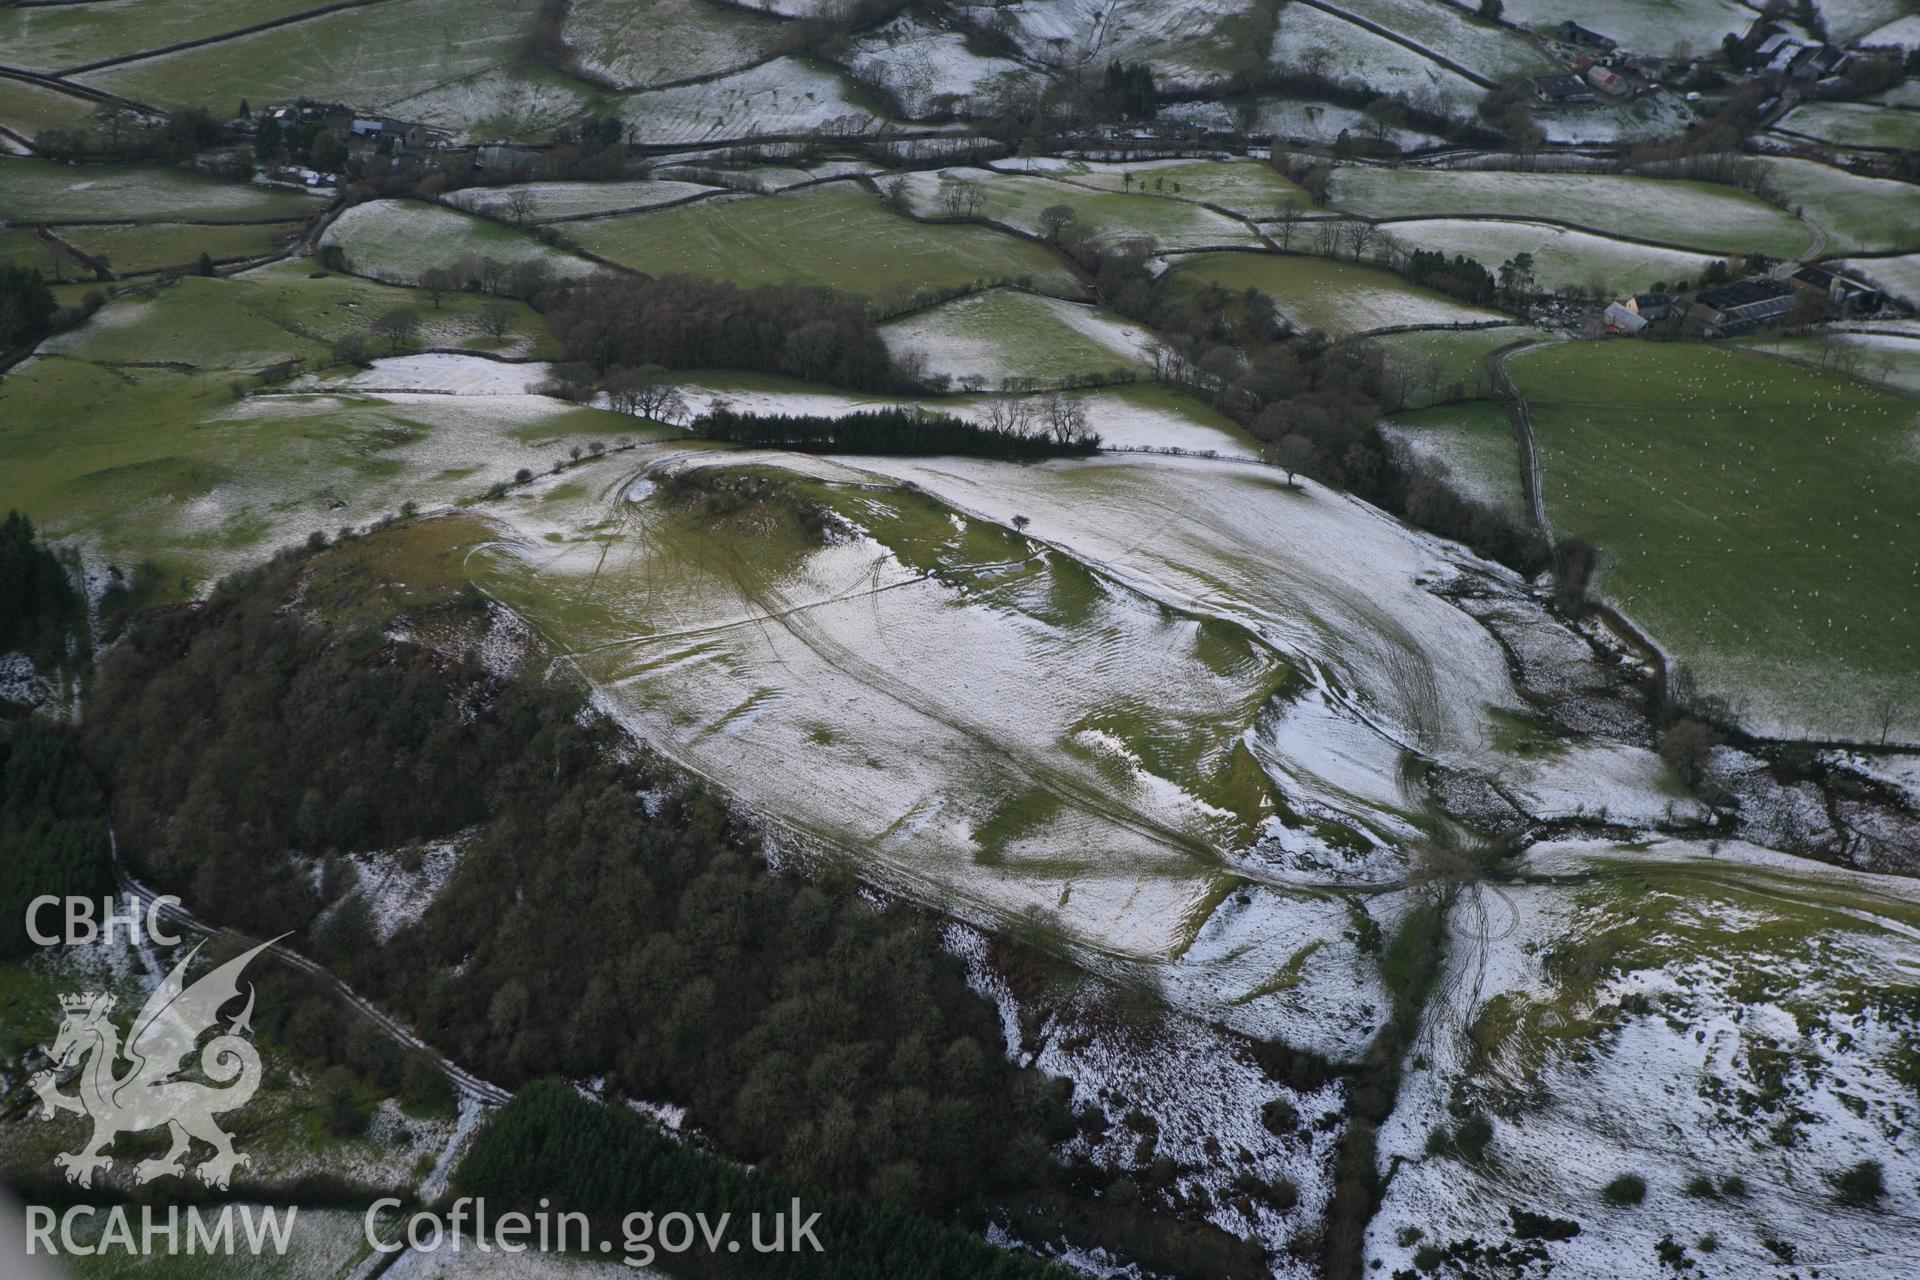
x=370, y=56
x=152, y=246
x=1340, y=299
x=396, y=240
x=840, y=235
x=44, y=191
x=1877, y=357
x=56, y=37
x=27, y=109
x=1248, y=187
x=22, y=245
x=1855, y=124
x=127, y=434
x=1757, y=518
x=1860, y=215
x=1016, y=200
x=1443, y=365
x=1693, y=215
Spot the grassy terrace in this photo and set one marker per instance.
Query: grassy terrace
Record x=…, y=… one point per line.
x=1758, y=516
x=840, y=235
x=1695, y=215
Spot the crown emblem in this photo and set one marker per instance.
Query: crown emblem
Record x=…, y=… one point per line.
x=86, y=1001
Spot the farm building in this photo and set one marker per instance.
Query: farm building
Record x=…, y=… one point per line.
x=393, y=136
x=1607, y=81
x=1818, y=62
x=1843, y=296
x=1743, y=307
x=1619, y=319
x=1560, y=89
x=1573, y=33
x=1637, y=312
x=1651, y=307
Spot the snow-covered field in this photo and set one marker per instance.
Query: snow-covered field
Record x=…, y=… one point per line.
x=513, y=101
x=1475, y=443
x=1732, y=1026
x=1004, y=333
x=1189, y=44
x=1561, y=257
x=1644, y=26
x=553, y=200
x=432, y=371
x=1900, y=276
x=1447, y=30
x=1312, y=39
x=1901, y=33
x=785, y=96
x=1849, y=20
x=396, y=240
x=639, y=43
x=928, y=69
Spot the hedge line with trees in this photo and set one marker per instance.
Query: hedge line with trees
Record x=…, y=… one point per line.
x=891, y=431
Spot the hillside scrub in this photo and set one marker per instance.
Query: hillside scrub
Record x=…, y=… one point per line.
x=678, y=322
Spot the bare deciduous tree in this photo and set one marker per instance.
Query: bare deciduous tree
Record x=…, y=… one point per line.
x=398, y=327
x=1286, y=222
x=648, y=392
x=496, y=320
x=522, y=204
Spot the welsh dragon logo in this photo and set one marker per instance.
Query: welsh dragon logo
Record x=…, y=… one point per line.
x=150, y=1093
